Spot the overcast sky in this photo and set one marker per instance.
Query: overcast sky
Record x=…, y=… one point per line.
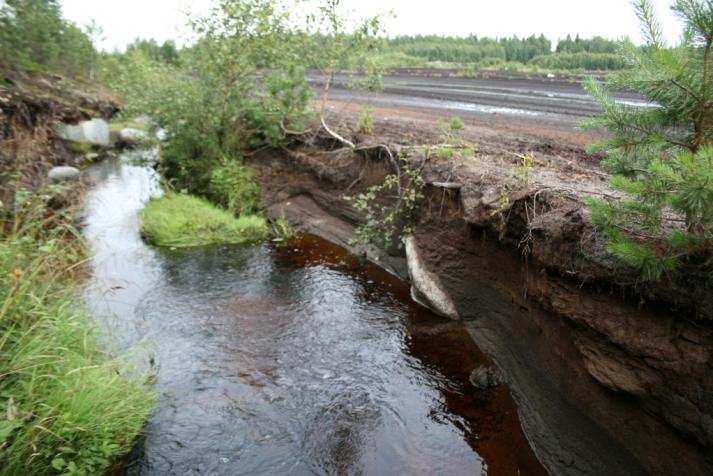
x=124, y=20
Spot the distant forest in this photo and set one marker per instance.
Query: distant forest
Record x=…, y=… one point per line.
x=537, y=51
x=34, y=36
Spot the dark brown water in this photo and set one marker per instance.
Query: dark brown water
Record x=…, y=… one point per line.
x=294, y=359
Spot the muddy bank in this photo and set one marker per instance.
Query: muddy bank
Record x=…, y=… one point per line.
x=612, y=376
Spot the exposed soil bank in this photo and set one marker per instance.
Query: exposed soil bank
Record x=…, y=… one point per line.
x=611, y=376
x=30, y=109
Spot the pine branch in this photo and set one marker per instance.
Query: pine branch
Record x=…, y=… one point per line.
x=687, y=90
x=698, y=126
x=650, y=26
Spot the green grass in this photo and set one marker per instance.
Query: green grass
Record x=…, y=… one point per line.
x=65, y=408
x=181, y=221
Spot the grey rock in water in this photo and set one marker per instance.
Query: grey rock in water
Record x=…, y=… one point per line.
x=485, y=377
x=95, y=132
x=132, y=136
x=63, y=174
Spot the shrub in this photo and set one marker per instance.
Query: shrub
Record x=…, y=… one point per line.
x=234, y=90
x=181, y=221
x=390, y=208
x=233, y=187
x=398, y=59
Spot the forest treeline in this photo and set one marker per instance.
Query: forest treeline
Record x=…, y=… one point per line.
x=570, y=53
x=35, y=37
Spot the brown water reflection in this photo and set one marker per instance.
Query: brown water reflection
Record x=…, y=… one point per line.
x=488, y=420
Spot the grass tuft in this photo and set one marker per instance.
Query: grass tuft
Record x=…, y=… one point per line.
x=65, y=408
x=182, y=221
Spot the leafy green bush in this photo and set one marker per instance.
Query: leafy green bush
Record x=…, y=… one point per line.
x=390, y=208
x=181, y=221
x=242, y=86
x=233, y=187
x=662, y=155
x=234, y=90
x=64, y=406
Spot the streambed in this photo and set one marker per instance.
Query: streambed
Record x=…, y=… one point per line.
x=287, y=359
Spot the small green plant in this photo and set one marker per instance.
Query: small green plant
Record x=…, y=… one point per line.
x=181, y=221
x=451, y=130
x=522, y=172
x=662, y=156
x=281, y=230
x=373, y=82
x=445, y=153
x=456, y=124
x=453, y=142
x=366, y=120
x=390, y=208
x=80, y=148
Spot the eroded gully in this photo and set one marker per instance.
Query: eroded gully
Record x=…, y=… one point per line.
x=292, y=359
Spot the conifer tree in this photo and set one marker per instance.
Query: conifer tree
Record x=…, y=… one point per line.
x=662, y=155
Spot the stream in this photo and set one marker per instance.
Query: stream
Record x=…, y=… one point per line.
x=291, y=358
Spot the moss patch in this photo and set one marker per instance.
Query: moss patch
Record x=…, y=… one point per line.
x=183, y=221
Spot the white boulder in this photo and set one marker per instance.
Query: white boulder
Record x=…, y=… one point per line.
x=63, y=174
x=95, y=132
x=426, y=288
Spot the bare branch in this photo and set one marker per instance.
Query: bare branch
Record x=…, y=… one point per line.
x=341, y=139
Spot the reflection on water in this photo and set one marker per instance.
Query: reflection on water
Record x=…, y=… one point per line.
x=288, y=360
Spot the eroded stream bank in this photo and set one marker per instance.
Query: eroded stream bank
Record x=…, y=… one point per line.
x=288, y=360
x=610, y=376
